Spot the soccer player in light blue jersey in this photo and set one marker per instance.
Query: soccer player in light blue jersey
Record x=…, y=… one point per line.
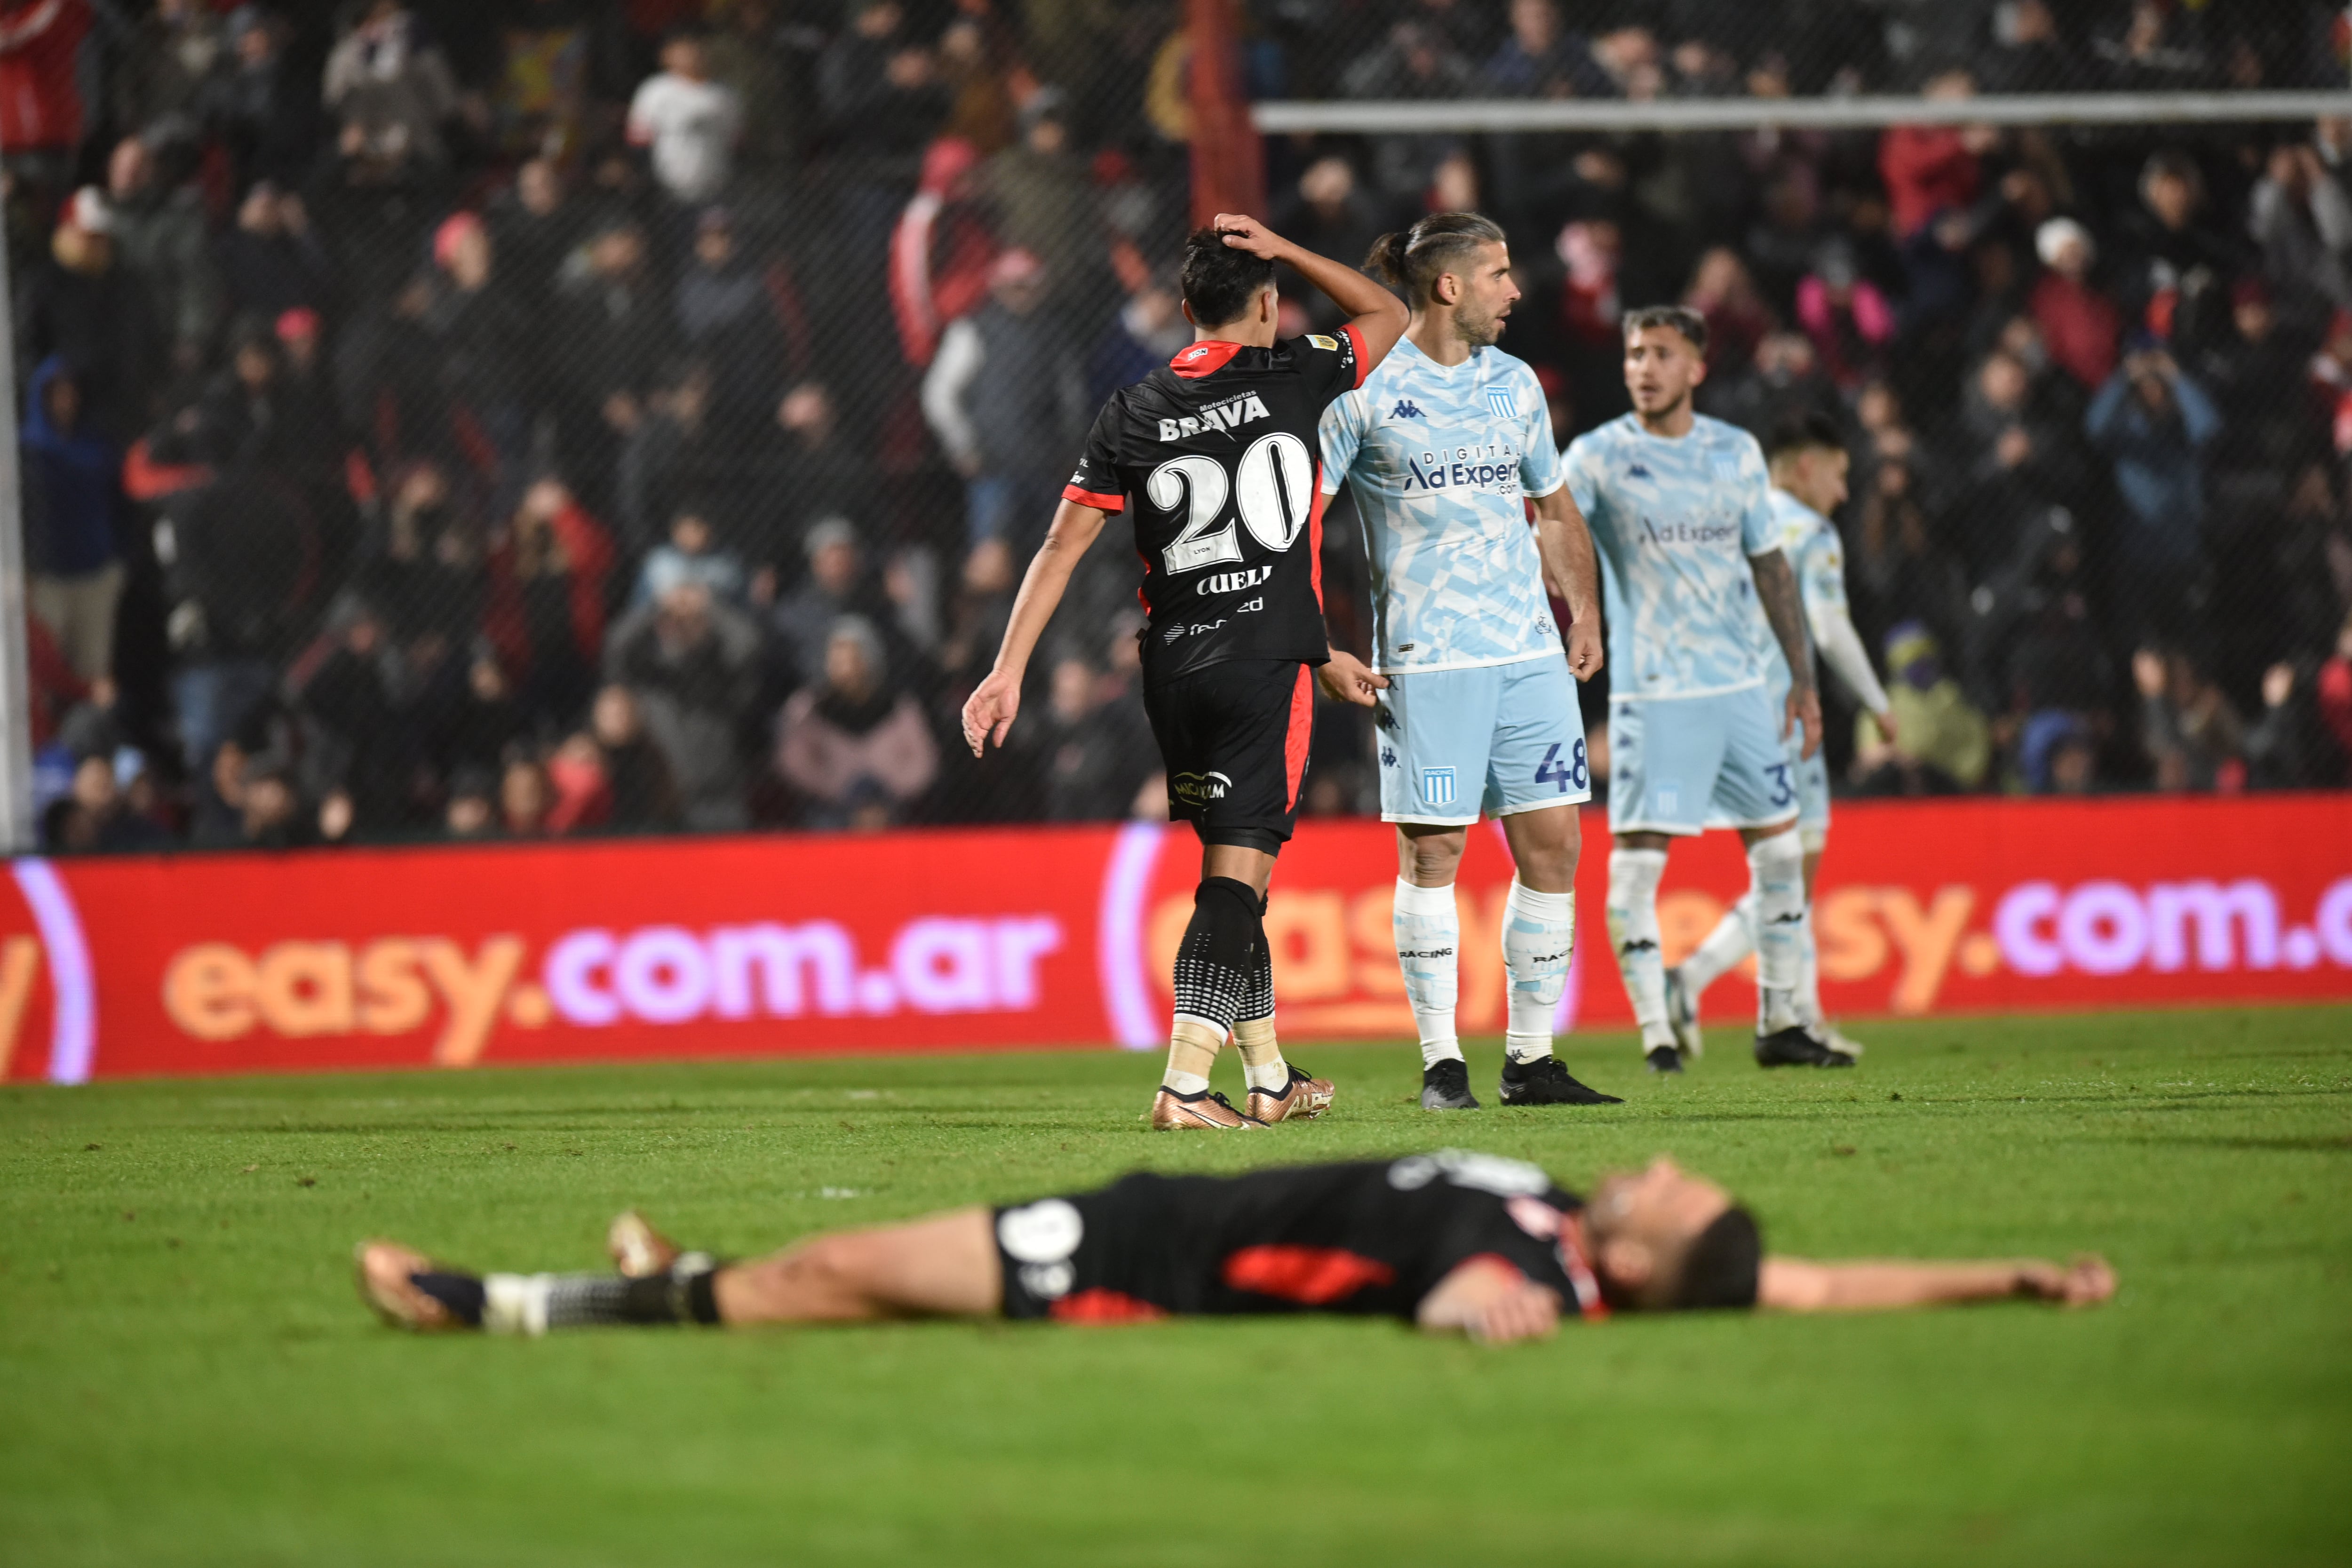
x=1809, y=464
x=1446, y=444
x=1678, y=505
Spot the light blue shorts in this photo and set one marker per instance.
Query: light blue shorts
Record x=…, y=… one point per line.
x=1683, y=764
x=1812, y=785
x=1500, y=739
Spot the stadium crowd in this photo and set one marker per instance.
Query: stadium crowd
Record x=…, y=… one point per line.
x=536, y=416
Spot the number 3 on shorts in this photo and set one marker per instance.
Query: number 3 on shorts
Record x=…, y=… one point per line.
x=1785, y=791
x=1567, y=775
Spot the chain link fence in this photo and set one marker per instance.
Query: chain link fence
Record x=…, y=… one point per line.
x=522, y=419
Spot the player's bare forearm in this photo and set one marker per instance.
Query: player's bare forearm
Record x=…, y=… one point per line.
x=1784, y=607
x=994, y=703
x=1378, y=316
x=1796, y=1285
x=1571, y=568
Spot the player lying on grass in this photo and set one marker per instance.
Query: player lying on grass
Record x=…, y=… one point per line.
x=1451, y=1241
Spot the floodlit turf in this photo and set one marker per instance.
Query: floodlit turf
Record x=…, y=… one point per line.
x=186, y=1376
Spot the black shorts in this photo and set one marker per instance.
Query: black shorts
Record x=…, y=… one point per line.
x=1234, y=738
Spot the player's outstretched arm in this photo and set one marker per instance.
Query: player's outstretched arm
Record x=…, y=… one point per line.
x=1492, y=1303
x=1784, y=607
x=1379, y=317
x=994, y=703
x=1572, y=569
x=1842, y=650
x=1796, y=1285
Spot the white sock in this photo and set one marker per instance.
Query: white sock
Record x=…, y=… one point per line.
x=1733, y=939
x=1633, y=876
x=1809, y=977
x=1776, y=870
x=1182, y=1082
x=1539, y=935
x=1428, y=943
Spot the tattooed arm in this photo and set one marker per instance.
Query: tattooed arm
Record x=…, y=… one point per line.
x=1776, y=589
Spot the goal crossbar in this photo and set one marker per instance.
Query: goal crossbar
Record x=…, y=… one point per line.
x=1413, y=116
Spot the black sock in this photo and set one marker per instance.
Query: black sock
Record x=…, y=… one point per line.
x=1257, y=993
x=461, y=1293
x=1222, y=945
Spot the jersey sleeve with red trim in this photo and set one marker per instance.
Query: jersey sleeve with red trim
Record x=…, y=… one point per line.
x=1097, y=483
x=1329, y=364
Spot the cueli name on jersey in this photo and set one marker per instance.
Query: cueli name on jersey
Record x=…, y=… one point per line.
x=1232, y=413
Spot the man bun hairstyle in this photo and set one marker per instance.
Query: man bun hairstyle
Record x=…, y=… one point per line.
x=1220, y=282
x=1803, y=431
x=1412, y=260
x=1721, y=1267
x=1680, y=318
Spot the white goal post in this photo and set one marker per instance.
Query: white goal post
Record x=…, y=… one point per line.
x=1419, y=116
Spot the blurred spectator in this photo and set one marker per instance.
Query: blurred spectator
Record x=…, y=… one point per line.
x=726, y=321
x=941, y=249
x=688, y=122
x=525, y=798
x=271, y=263
x=354, y=739
x=2028, y=53
x=546, y=612
x=2061, y=756
x=2079, y=324
x=2302, y=218
x=857, y=749
x=673, y=455
x=1542, y=59
x=269, y=810
x=2155, y=423
x=42, y=115
x=264, y=108
x=481, y=723
x=1331, y=214
x=1737, y=319
x=1149, y=331
x=882, y=97
x=161, y=242
x=1941, y=744
x=471, y=814
x=2262, y=434
x=174, y=55
x=692, y=663
x=2178, y=267
x=2289, y=747
x=836, y=585
x=1004, y=398
x=645, y=793
x=1781, y=378
x=107, y=820
x=1415, y=63
x=389, y=85
x=80, y=306
x=2012, y=463
x=1044, y=199
x=690, y=555
x=1929, y=168
x=1097, y=745
x=1845, y=315
x=73, y=508
x=2192, y=735
x=817, y=474
x=611, y=315
x=534, y=225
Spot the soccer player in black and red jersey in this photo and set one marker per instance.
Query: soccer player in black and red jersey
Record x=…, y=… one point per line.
x=1451, y=1241
x=1217, y=450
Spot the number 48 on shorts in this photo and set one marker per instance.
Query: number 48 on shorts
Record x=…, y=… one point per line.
x=1564, y=774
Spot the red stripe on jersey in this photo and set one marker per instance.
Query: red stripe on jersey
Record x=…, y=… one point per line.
x=1098, y=1306
x=1204, y=358
x=1363, y=360
x=1314, y=536
x=1312, y=1276
x=1090, y=497
x=1302, y=729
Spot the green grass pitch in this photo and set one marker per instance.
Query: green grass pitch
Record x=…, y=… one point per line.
x=186, y=1376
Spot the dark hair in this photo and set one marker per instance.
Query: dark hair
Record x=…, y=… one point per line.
x=1412, y=260
x=1220, y=280
x=1721, y=1266
x=1802, y=432
x=1680, y=318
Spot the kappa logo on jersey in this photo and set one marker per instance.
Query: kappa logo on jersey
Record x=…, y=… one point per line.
x=1230, y=415
x=1503, y=402
x=1437, y=786
x=1194, y=789
x=1234, y=581
x=1405, y=410
x=1637, y=472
